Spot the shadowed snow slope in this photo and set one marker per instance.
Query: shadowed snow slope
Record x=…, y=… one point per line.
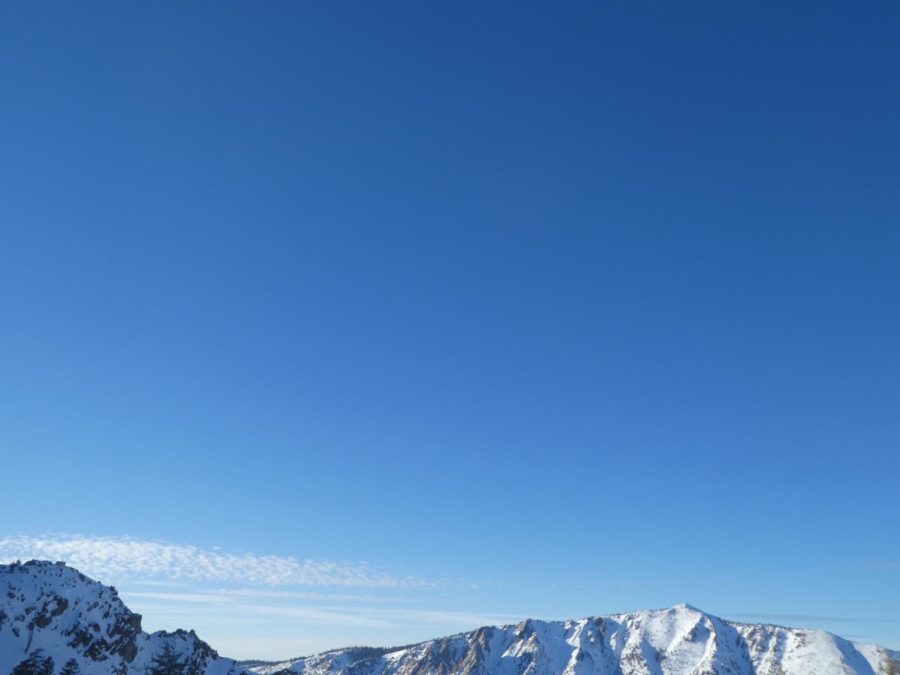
x=51, y=611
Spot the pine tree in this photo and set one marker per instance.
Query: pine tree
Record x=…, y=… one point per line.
x=34, y=665
x=167, y=662
x=27, y=667
x=71, y=668
x=46, y=667
x=196, y=665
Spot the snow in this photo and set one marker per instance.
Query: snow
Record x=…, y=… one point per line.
x=682, y=640
x=56, y=609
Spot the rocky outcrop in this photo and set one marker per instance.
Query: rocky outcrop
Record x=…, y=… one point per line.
x=52, y=610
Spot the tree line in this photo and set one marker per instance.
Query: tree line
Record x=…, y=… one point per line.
x=166, y=662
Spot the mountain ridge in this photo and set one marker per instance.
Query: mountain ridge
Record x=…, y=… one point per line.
x=656, y=647
x=49, y=610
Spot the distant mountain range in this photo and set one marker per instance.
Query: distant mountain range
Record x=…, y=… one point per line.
x=56, y=621
x=678, y=641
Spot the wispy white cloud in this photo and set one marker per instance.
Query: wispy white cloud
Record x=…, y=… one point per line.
x=246, y=601
x=447, y=618
x=794, y=619
x=250, y=605
x=252, y=594
x=121, y=558
x=191, y=598
x=255, y=593
x=805, y=618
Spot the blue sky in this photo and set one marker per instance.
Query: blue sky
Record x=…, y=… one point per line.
x=498, y=311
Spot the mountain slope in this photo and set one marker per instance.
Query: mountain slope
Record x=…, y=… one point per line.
x=677, y=641
x=51, y=610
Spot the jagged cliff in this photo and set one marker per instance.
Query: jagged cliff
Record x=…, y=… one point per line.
x=49, y=610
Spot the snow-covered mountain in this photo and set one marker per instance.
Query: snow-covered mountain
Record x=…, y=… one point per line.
x=51, y=611
x=677, y=641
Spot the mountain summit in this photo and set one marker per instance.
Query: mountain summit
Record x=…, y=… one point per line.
x=678, y=641
x=53, y=619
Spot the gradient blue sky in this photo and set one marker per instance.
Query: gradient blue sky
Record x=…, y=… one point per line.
x=545, y=309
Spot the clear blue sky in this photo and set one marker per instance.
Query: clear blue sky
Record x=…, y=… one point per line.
x=563, y=308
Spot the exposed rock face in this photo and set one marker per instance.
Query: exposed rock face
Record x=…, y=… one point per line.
x=677, y=641
x=58, y=612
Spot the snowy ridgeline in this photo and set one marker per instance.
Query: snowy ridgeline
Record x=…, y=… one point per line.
x=677, y=641
x=56, y=621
